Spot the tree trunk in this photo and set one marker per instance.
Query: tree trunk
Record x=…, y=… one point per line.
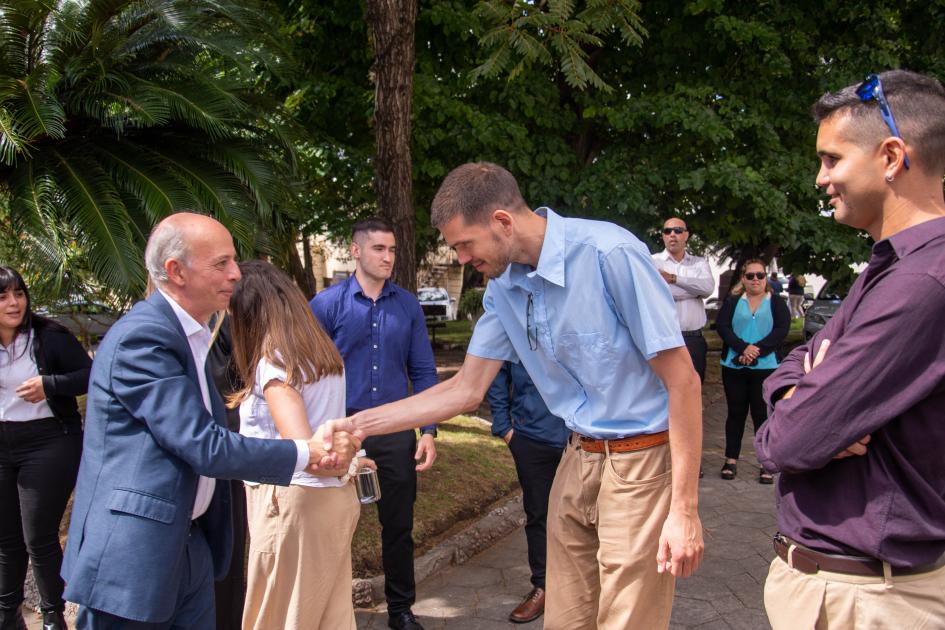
x=294, y=267
x=392, y=24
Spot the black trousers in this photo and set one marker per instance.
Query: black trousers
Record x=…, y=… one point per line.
x=39, y=462
x=230, y=592
x=396, y=471
x=535, y=464
x=742, y=392
x=697, y=347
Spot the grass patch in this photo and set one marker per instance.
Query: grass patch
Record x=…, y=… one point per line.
x=473, y=470
x=455, y=332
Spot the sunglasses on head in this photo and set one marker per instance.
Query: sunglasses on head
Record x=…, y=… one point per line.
x=872, y=90
x=755, y=275
x=674, y=230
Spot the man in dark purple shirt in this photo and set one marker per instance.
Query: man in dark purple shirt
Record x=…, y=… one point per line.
x=856, y=425
x=381, y=334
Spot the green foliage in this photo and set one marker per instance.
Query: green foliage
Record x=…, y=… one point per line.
x=561, y=34
x=470, y=303
x=116, y=113
x=704, y=113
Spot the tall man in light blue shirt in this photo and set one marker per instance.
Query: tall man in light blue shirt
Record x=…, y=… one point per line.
x=580, y=304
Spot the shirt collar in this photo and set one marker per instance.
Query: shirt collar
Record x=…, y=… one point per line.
x=553, y=250
x=913, y=238
x=667, y=256
x=354, y=287
x=19, y=343
x=190, y=325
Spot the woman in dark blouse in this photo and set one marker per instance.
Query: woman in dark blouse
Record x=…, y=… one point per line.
x=43, y=367
x=752, y=323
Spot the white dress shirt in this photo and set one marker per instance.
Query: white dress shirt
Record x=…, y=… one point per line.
x=694, y=282
x=17, y=365
x=199, y=336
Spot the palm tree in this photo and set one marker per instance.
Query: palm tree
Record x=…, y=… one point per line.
x=116, y=113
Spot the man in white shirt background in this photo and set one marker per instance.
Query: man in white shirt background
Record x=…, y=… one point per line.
x=690, y=281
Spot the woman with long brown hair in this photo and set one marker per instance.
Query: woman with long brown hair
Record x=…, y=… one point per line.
x=752, y=323
x=299, y=566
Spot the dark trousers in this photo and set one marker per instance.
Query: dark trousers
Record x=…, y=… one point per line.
x=742, y=392
x=697, y=347
x=194, y=596
x=396, y=471
x=39, y=461
x=535, y=464
x=230, y=592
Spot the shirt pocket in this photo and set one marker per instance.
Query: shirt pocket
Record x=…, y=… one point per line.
x=589, y=357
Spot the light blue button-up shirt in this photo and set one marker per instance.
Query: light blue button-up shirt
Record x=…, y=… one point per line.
x=600, y=310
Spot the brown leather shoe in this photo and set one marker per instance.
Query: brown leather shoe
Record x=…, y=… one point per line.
x=531, y=608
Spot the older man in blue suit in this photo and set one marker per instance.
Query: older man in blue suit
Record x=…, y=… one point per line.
x=150, y=527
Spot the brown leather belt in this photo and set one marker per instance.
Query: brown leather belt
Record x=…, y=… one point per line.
x=809, y=561
x=625, y=445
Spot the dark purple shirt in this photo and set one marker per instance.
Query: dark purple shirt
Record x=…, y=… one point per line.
x=883, y=375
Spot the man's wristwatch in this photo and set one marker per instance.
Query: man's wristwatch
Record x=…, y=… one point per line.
x=428, y=432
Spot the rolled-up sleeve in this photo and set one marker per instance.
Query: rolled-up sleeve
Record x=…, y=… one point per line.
x=489, y=339
x=641, y=299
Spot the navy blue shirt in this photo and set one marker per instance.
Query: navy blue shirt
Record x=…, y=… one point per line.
x=522, y=408
x=383, y=342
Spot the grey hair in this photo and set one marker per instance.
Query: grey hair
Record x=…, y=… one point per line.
x=166, y=242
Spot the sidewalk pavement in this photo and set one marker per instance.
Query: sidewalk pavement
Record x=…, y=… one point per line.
x=725, y=593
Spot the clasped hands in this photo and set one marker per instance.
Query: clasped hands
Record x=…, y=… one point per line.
x=331, y=449
x=749, y=355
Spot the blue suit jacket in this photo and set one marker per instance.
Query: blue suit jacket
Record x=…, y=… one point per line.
x=148, y=437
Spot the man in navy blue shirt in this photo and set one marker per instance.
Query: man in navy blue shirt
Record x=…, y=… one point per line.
x=382, y=336
x=536, y=439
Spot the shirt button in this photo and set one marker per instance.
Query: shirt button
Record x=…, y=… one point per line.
x=373, y=389
x=374, y=324
x=375, y=367
x=375, y=346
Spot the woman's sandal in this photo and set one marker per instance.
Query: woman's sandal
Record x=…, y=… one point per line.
x=729, y=470
x=765, y=478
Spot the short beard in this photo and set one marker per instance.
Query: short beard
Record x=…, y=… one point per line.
x=503, y=259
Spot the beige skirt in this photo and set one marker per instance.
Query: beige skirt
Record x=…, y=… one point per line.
x=299, y=565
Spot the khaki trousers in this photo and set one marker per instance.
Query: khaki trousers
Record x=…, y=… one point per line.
x=605, y=515
x=835, y=601
x=299, y=566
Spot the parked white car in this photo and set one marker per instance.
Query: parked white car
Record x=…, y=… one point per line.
x=436, y=303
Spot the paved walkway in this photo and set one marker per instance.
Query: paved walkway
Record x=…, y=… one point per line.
x=725, y=593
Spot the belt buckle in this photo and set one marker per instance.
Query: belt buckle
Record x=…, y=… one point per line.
x=796, y=558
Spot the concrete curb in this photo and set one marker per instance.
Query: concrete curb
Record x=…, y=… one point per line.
x=501, y=520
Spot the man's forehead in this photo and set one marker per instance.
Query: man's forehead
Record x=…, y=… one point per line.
x=457, y=230
x=211, y=242
x=674, y=222
x=837, y=128
x=375, y=237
